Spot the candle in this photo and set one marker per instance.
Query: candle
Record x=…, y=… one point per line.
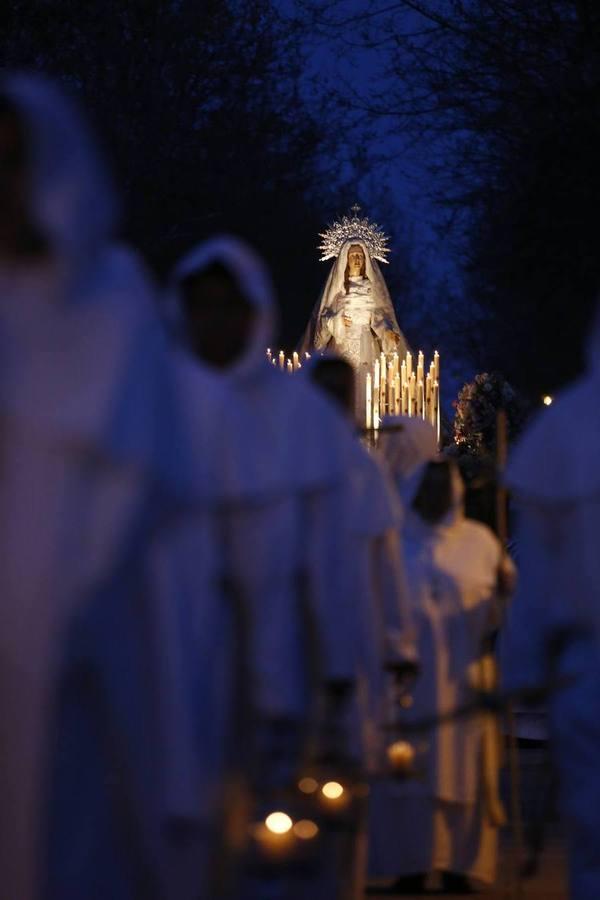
x=396, y=362
x=420, y=367
x=295, y=360
x=412, y=395
x=390, y=383
x=281, y=360
x=408, y=365
x=398, y=395
x=436, y=364
x=369, y=402
x=428, y=398
x=437, y=424
x=422, y=400
x=269, y=354
x=376, y=388
x=383, y=385
x=307, y=355
x=290, y=367
x=405, y=398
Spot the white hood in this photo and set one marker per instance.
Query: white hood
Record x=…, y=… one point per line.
x=253, y=281
x=557, y=460
x=71, y=197
x=286, y=435
x=82, y=351
x=406, y=448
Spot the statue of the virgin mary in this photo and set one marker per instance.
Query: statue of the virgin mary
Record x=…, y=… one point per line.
x=355, y=316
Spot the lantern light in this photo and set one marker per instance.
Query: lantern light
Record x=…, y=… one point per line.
x=278, y=823
x=333, y=790
x=305, y=829
x=308, y=785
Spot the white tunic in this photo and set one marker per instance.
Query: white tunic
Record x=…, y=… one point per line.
x=86, y=477
x=554, y=623
x=438, y=822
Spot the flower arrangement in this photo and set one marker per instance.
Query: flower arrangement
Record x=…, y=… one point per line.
x=476, y=410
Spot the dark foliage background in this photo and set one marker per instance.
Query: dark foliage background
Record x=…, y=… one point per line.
x=503, y=98
x=211, y=124
x=200, y=108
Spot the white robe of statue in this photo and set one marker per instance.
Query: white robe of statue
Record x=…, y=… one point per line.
x=85, y=469
x=553, y=625
x=439, y=822
x=355, y=318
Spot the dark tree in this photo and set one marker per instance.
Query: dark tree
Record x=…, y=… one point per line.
x=202, y=113
x=506, y=95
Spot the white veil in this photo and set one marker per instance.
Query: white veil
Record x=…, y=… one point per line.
x=334, y=286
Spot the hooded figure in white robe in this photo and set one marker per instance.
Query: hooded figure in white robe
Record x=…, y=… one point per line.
x=89, y=465
x=438, y=823
x=355, y=317
x=384, y=618
x=386, y=648
x=553, y=626
x=286, y=469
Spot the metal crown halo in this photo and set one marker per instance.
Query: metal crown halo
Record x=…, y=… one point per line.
x=350, y=228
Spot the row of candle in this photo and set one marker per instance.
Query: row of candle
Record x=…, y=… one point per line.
x=392, y=387
x=286, y=365
x=397, y=388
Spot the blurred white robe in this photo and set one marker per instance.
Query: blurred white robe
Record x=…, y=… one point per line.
x=553, y=626
x=284, y=478
x=86, y=473
x=438, y=822
x=285, y=474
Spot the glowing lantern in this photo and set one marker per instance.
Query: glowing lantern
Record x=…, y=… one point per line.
x=278, y=823
x=333, y=790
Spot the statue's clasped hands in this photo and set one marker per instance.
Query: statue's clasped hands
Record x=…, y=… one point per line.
x=347, y=320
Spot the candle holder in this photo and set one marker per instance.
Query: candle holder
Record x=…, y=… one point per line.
x=395, y=387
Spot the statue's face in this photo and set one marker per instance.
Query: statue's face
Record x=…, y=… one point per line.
x=356, y=259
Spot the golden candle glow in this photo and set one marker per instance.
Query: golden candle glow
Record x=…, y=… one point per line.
x=333, y=790
x=401, y=756
x=308, y=785
x=278, y=823
x=306, y=830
